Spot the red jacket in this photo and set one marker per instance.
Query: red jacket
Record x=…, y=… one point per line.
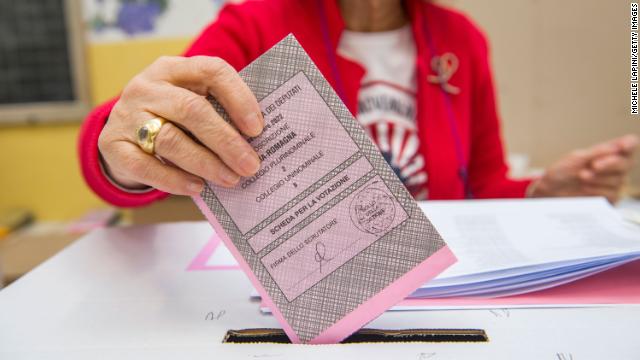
x=244, y=31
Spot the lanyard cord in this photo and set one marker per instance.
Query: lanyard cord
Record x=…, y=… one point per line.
x=453, y=125
x=333, y=61
x=451, y=116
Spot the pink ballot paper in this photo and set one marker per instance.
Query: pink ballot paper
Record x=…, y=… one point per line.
x=325, y=230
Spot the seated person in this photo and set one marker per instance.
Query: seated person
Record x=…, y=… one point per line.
x=415, y=74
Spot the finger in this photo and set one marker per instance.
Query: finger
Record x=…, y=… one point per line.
x=194, y=113
x=611, y=164
x=603, y=149
x=611, y=181
x=628, y=143
x=147, y=169
x=174, y=145
x=213, y=76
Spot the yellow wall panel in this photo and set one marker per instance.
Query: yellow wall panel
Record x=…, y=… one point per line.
x=38, y=163
x=111, y=65
x=40, y=171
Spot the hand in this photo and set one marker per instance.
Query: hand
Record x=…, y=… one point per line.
x=597, y=171
x=175, y=89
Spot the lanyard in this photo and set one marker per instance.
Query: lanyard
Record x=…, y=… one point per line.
x=451, y=116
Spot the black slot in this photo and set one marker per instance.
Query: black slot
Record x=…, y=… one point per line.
x=277, y=336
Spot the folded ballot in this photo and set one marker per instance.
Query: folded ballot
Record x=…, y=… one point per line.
x=327, y=233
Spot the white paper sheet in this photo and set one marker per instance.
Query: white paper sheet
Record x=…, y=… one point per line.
x=493, y=235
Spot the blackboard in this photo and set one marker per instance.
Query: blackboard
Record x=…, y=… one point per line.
x=39, y=64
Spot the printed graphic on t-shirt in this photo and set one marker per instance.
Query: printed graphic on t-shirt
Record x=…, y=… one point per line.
x=387, y=112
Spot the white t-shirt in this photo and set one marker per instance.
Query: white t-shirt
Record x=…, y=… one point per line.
x=387, y=99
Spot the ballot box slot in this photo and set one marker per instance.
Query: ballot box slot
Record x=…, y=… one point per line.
x=278, y=336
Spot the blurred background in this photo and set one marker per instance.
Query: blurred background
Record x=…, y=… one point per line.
x=562, y=73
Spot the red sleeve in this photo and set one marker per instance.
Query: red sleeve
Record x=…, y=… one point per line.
x=230, y=37
x=487, y=167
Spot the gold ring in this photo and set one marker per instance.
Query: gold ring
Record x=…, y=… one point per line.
x=147, y=132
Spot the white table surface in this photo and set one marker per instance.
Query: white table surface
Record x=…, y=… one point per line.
x=124, y=294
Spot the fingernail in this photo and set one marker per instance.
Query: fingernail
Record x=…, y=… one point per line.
x=249, y=163
x=630, y=141
x=195, y=187
x=586, y=174
x=229, y=177
x=254, y=123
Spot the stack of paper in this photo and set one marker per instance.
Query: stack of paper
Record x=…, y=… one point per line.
x=509, y=247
